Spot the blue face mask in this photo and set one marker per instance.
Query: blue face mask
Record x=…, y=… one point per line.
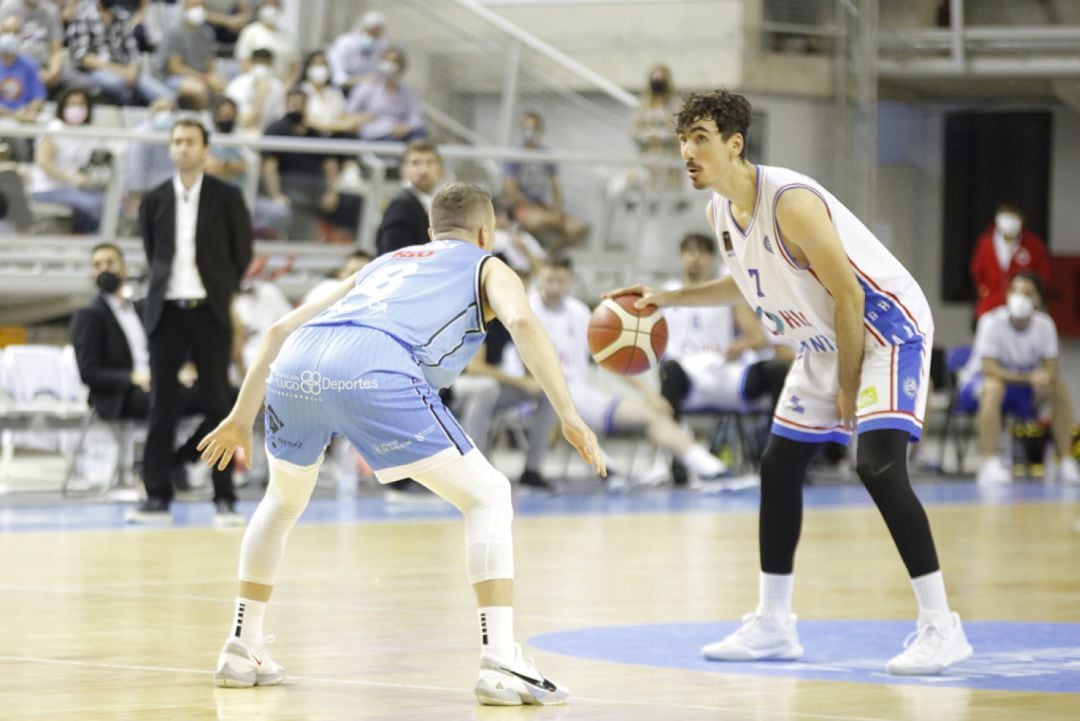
x=163, y=120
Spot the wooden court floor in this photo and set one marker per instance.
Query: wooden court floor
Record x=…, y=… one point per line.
x=374, y=620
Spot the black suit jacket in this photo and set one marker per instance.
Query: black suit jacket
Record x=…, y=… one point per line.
x=103, y=355
x=404, y=223
x=223, y=243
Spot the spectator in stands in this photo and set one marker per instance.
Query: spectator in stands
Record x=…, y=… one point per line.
x=1014, y=369
x=652, y=128
x=269, y=219
x=517, y=247
x=102, y=45
x=266, y=33
x=386, y=108
x=62, y=170
x=354, y=56
x=326, y=106
x=533, y=189
x=185, y=59
x=258, y=94
x=147, y=165
x=405, y=220
x=42, y=36
x=307, y=182
x=566, y=320
x=1004, y=249
x=718, y=357
x=21, y=90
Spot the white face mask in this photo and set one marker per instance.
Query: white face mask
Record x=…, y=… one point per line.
x=269, y=15
x=9, y=43
x=162, y=119
x=75, y=114
x=195, y=15
x=1019, y=306
x=390, y=69
x=1008, y=224
x=318, y=74
x=260, y=71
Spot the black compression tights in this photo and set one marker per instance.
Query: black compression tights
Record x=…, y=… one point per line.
x=882, y=467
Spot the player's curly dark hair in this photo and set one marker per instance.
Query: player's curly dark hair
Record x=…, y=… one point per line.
x=730, y=112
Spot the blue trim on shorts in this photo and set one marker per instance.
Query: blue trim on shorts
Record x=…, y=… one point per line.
x=908, y=375
x=833, y=436
x=609, y=417
x=1019, y=400
x=894, y=424
x=742, y=383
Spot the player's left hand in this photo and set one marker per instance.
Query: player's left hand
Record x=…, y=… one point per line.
x=220, y=444
x=845, y=408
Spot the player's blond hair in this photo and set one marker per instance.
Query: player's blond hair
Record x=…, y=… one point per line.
x=460, y=206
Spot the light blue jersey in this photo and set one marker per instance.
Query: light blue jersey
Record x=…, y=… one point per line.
x=428, y=298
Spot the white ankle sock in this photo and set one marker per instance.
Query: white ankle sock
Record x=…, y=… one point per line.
x=930, y=592
x=701, y=462
x=497, y=632
x=775, y=595
x=249, y=621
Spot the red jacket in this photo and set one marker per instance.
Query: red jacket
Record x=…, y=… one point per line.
x=991, y=283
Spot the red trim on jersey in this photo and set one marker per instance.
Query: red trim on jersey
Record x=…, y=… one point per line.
x=892, y=413
x=836, y=427
x=873, y=331
x=895, y=299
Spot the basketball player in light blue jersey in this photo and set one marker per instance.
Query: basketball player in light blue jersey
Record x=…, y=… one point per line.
x=366, y=361
x=818, y=277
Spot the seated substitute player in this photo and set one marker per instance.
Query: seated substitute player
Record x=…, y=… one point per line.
x=1013, y=369
x=566, y=320
x=366, y=361
x=817, y=276
x=717, y=356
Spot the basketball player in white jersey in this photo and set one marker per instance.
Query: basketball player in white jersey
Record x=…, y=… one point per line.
x=816, y=275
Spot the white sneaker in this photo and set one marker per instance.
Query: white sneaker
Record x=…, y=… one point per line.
x=517, y=683
x=1068, y=473
x=727, y=484
x=241, y=666
x=993, y=472
x=761, y=638
x=938, y=643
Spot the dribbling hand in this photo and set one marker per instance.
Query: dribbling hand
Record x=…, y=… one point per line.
x=581, y=437
x=228, y=439
x=649, y=296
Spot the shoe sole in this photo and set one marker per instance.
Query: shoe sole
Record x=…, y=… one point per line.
x=935, y=670
x=786, y=655
x=489, y=693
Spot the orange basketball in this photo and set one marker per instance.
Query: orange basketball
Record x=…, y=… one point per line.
x=626, y=340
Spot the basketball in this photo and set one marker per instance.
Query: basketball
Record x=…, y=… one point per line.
x=626, y=340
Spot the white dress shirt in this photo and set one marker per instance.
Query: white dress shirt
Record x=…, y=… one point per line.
x=131, y=324
x=184, y=280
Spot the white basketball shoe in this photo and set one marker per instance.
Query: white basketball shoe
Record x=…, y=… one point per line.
x=242, y=666
x=516, y=683
x=762, y=637
x=938, y=642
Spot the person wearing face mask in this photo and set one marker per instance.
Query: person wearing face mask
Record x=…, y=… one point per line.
x=386, y=108
x=41, y=33
x=533, y=189
x=102, y=45
x=185, y=59
x=267, y=33
x=353, y=57
x=307, y=183
x=1004, y=249
x=1014, y=370
x=258, y=94
x=21, y=91
x=326, y=106
x=146, y=165
x=61, y=162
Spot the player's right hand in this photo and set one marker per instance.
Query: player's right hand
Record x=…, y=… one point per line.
x=581, y=437
x=649, y=296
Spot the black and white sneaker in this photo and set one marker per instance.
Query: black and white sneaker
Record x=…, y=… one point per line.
x=516, y=683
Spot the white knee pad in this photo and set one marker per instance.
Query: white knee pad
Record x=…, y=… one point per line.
x=482, y=493
x=286, y=498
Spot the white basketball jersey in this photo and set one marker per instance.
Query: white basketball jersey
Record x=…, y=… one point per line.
x=699, y=329
x=789, y=299
x=567, y=326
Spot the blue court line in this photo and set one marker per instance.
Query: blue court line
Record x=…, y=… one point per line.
x=91, y=515
x=1009, y=656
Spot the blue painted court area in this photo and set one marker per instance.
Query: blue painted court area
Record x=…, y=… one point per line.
x=1037, y=657
x=93, y=515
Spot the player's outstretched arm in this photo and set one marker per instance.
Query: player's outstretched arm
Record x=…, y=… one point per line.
x=505, y=297
x=219, y=445
x=721, y=291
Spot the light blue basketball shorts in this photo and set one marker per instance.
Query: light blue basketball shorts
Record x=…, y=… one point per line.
x=362, y=384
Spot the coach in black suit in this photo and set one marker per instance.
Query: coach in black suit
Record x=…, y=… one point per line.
x=405, y=221
x=196, y=231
